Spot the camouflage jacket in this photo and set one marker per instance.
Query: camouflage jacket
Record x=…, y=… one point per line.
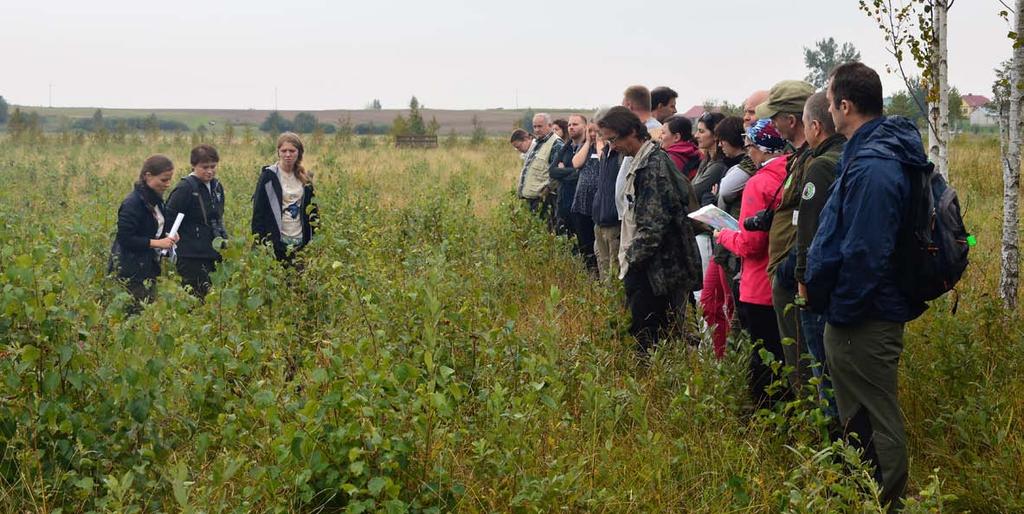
x=662, y=241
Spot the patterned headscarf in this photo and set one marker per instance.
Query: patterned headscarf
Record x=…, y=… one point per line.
x=764, y=134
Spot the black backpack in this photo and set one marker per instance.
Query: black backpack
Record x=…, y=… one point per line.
x=933, y=243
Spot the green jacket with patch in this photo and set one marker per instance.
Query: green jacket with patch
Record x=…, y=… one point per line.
x=782, y=235
x=819, y=173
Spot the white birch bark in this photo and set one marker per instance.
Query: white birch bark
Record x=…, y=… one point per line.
x=1010, y=255
x=938, y=110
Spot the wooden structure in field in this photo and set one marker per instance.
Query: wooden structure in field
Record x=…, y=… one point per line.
x=410, y=141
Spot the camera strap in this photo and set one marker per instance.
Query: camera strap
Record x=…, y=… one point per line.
x=195, y=192
x=775, y=197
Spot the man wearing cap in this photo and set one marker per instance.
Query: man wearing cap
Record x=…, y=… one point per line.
x=785, y=107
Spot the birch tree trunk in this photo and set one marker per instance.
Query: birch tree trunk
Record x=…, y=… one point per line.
x=1010, y=256
x=938, y=109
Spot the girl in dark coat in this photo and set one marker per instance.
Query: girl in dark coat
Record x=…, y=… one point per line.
x=284, y=214
x=142, y=229
x=200, y=197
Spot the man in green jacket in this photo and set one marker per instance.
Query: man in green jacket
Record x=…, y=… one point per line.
x=785, y=107
x=819, y=173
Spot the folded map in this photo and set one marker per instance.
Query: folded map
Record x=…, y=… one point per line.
x=715, y=218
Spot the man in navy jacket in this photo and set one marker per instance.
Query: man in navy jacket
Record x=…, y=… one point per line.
x=851, y=273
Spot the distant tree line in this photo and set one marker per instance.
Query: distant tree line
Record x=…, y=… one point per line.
x=304, y=123
x=21, y=125
x=99, y=122
x=371, y=129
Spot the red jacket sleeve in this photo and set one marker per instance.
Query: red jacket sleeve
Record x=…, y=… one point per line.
x=744, y=243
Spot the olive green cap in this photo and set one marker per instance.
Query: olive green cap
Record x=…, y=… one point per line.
x=786, y=96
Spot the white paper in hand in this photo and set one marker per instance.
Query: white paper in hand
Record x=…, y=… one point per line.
x=171, y=252
x=177, y=223
x=715, y=218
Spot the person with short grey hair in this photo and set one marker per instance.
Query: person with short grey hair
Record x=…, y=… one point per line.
x=819, y=173
x=535, y=184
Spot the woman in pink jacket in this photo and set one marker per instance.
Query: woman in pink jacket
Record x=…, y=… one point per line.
x=765, y=147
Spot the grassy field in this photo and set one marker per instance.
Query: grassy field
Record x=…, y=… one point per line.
x=451, y=355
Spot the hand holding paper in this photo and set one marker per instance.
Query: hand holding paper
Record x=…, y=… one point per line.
x=715, y=218
x=177, y=224
x=172, y=237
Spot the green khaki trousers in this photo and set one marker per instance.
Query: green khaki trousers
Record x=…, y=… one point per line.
x=863, y=360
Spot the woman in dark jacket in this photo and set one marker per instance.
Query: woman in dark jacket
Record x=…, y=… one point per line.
x=142, y=230
x=711, y=168
x=283, y=211
x=709, y=174
x=717, y=299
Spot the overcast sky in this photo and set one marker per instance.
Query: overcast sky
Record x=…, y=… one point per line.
x=455, y=54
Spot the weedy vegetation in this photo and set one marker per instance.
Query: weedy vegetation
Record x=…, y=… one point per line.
x=440, y=352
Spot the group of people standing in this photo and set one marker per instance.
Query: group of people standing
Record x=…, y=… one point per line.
x=284, y=216
x=817, y=182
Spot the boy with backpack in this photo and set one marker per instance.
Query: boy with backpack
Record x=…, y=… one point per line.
x=200, y=197
x=883, y=247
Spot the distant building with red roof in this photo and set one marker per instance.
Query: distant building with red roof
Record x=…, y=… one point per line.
x=973, y=109
x=971, y=103
x=694, y=113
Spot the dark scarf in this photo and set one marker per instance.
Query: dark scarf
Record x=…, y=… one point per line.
x=149, y=197
x=732, y=161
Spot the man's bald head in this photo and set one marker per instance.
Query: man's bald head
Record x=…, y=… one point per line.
x=750, y=104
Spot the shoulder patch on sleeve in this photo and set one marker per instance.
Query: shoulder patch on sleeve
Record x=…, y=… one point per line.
x=809, y=191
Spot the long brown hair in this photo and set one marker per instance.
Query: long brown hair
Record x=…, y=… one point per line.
x=156, y=164
x=299, y=170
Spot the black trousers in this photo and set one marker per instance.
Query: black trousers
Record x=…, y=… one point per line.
x=654, y=316
x=195, y=274
x=142, y=291
x=760, y=322
x=585, y=238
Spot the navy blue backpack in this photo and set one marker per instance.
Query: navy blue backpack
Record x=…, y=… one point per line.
x=933, y=244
